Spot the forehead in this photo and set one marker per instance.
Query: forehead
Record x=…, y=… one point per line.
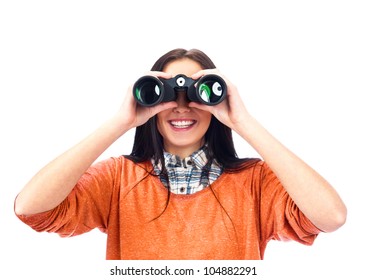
x=184, y=66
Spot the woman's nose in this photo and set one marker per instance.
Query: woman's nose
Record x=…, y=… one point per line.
x=182, y=101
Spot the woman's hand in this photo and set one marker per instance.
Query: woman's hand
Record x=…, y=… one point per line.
x=132, y=115
x=232, y=111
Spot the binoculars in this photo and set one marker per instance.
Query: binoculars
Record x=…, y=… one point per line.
x=209, y=89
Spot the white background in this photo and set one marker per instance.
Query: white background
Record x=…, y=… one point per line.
x=300, y=67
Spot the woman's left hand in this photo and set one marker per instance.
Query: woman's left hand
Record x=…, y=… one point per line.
x=232, y=111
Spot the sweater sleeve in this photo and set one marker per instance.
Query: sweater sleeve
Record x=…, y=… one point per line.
x=86, y=207
x=281, y=218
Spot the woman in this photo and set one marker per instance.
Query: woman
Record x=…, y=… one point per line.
x=182, y=193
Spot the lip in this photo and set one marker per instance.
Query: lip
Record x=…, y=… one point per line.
x=182, y=124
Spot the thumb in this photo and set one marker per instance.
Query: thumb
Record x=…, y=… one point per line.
x=163, y=106
x=200, y=106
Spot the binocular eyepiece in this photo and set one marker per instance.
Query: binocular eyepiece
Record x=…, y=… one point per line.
x=209, y=89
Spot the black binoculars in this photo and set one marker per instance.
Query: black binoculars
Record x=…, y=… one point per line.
x=209, y=89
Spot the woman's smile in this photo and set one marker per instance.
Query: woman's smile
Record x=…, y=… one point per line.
x=182, y=124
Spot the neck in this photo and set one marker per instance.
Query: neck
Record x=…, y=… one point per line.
x=183, y=152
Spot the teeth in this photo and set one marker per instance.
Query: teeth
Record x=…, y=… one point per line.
x=182, y=124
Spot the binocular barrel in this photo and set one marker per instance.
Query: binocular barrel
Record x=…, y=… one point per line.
x=150, y=90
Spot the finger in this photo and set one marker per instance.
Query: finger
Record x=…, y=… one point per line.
x=203, y=72
x=159, y=74
x=164, y=75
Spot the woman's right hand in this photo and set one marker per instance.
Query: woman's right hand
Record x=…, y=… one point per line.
x=131, y=114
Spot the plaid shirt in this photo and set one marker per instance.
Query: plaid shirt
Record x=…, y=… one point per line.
x=191, y=174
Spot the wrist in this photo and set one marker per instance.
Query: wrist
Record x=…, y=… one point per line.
x=245, y=126
x=116, y=126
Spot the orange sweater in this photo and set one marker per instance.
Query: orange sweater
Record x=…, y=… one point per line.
x=121, y=199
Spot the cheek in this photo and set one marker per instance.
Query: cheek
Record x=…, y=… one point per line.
x=206, y=120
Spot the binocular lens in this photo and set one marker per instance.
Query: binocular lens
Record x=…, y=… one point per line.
x=148, y=91
x=210, y=91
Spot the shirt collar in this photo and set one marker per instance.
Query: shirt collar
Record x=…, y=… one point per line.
x=198, y=159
